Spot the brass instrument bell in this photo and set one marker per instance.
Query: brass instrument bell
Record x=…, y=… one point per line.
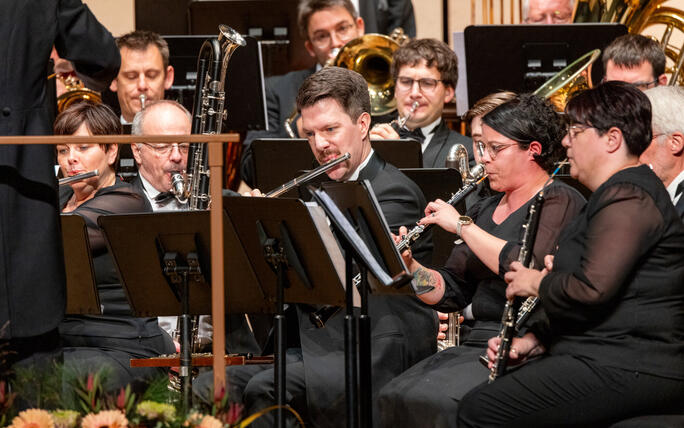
x=75, y=92
x=574, y=78
x=371, y=56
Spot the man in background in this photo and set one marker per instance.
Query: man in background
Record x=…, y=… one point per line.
x=547, y=11
x=425, y=72
x=635, y=59
x=145, y=70
x=326, y=25
x=665, y=154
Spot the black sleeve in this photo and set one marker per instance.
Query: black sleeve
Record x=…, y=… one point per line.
x=619, y=233
x=84, y=41
x=121, y=200
x=399, y=13
x=561, y=204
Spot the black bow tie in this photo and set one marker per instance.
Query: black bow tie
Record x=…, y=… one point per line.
x=680, y=189
x=416, y=134
x=164, y=198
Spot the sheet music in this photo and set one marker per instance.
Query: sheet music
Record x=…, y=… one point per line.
x=322, y=224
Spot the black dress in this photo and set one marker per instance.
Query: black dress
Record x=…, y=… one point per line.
x=428, y=393
x=615, y=304
x=113, y=338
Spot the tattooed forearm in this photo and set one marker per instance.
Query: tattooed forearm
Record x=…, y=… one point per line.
x=423, y=277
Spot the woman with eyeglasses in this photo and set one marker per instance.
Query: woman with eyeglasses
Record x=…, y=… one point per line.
x=110, y=340
x=521, y=140
x=613, y=294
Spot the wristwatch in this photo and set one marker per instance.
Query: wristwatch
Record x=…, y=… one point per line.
x=463, y=220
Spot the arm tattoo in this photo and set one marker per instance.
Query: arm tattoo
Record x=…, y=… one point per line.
x=425, y=277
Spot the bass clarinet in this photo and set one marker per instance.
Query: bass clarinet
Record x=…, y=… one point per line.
x=208, y=114
x=508, y=319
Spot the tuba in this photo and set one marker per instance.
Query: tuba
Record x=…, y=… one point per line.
x=208, y=114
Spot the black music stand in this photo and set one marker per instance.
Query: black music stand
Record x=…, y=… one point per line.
x=521, y=58
x=294, y=257
x=353, y=207
x=278, y=160
x=438, y=183
x=163, y=260
x=82, y=296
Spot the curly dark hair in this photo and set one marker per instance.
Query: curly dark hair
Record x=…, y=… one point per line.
x=615, y=104
x=435, y=53
x=527, y=118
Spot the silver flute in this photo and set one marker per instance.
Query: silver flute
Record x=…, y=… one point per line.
x=478, y=174
x=78, y=177
x=307, y=176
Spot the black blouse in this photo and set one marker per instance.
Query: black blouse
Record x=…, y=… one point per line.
x=468, y=280
x=616, y=293
x=116, y=319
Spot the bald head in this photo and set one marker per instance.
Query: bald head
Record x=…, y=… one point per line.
x=156, y=162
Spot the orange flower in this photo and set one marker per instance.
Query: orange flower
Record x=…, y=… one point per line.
x=33, y=418
x=210, y=422
x=105, y=419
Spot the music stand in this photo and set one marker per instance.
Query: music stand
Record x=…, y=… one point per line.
x=156, y=252
x=294, y=257
x=82, y=296
x=438, y=183
x=521, y=58
x=374, y=251
x=278, y=160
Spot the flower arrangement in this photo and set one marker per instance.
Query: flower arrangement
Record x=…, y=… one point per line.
x=97, y=408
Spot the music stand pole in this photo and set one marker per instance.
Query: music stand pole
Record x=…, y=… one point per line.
x=350, y=354
x=365, y=371
x=274, y=255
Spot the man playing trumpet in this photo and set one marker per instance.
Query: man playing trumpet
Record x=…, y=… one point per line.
x=425, y=72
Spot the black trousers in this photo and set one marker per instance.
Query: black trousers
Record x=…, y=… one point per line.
x=427, y=395
x=253, y=385
x=565, y=391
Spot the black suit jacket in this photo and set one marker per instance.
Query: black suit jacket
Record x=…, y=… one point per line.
x=33, y=300
x=436, y=152
x=403, y=330
x=383, y=16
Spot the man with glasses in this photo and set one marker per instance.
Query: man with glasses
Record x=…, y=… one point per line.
x=326, y=25
x=157, y=161
x=547, y=11
x=425, y=72
x=635, y=59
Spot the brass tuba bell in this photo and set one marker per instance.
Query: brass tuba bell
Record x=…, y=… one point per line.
x=574, y=78
x=371, y=56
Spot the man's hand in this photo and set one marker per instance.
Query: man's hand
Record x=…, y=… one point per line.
x=383, y=131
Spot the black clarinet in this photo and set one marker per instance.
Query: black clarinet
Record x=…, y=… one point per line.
x=510, y=313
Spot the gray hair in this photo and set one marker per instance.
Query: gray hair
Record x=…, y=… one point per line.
x=139, y=119
x=526, y=8
x=667, y=105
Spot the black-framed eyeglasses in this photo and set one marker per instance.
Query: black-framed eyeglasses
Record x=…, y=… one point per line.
x=426, y=84
x=165, y=149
